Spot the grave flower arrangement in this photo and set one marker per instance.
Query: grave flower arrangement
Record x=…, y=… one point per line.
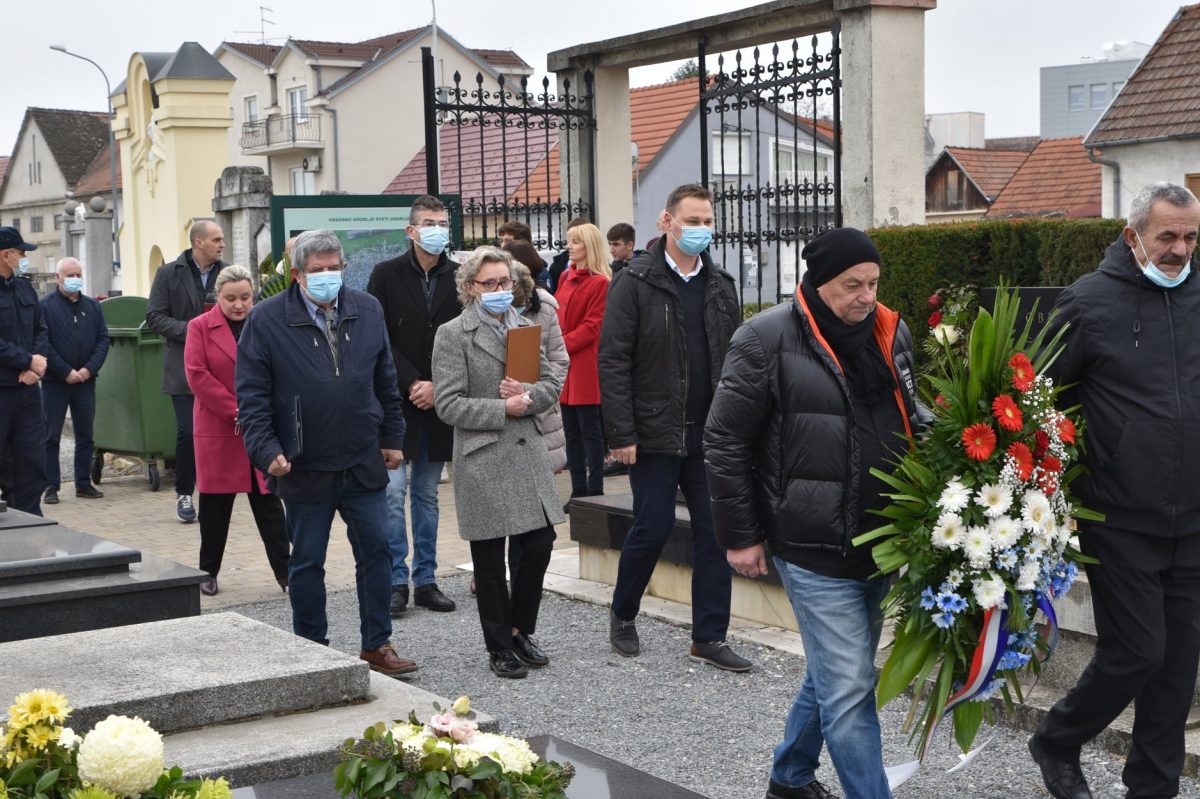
x=121, y=758
x=978, y=531
x=445, y=758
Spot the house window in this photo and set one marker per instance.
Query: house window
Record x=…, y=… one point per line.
x=252, y=108
x=1192, y=181
x=302, y=182
x=789, y=165
x=1075, y=95
x=296, y=99
x=35, y=224
x=1099, y=96
x=953, y=196
x=16, y=223
x=731, y=153
x=58, y=221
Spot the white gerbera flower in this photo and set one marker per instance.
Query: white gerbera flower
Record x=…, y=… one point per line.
x=1027, y=577
x=989, y=591
x=949, y=532
x=955, y=496
x=1035, y=511
x=978, y=547
x=995, y=500
x=1005, y=532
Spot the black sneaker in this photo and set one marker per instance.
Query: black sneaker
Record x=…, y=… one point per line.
x=718, y=653
x=505, y=664
x=184, y=509
x=428, y=596
x=399, y=602
x=88, y=492
x=528, y=652
x=812, y=790
x=623, y=635
x=51, y=497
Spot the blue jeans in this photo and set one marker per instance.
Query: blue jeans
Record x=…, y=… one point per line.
x=653, y=479
x=185, y=449
x=422, y=486
x=364, y=512
x=840, y=623
x=81, y=398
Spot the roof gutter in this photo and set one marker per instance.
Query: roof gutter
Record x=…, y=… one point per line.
x=1116, y=168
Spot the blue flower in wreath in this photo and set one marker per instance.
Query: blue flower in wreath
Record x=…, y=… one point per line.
x=951, y=602
x=927, y=599
x=943, y=620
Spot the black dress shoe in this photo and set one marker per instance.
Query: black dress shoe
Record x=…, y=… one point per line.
x=506, y=664
x=209, y=587
x=528, y=652
x=623, y=635
x=428, y=596
x=812, y=790
x=1063, y=778
x=399, y=602
x=88, y=492
x=51, y=497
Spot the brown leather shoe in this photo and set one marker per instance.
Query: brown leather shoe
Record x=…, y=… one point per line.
x=385, y=661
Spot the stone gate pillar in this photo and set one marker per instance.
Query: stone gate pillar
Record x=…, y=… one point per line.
x=242, y=205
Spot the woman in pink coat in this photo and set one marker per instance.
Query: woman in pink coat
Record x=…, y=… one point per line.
x=222, y=468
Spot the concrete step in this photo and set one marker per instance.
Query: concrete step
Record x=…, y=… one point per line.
x=184, y=673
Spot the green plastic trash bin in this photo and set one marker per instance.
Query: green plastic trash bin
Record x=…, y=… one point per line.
x=133, y=416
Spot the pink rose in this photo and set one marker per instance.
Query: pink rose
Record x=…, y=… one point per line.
x=442, y=722
x=449, y=723
x=462, y=729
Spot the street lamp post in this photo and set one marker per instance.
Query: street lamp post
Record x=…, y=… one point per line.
x=112, y=158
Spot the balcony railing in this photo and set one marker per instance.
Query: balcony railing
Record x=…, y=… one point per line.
x=281, y=133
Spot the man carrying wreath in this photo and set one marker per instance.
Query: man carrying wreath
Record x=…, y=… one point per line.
x=814, y=394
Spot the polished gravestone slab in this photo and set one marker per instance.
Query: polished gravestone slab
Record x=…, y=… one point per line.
x=52, y=551
x=11, y=519
x=596, y=777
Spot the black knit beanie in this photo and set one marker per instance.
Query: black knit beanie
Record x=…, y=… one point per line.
x=835, y=251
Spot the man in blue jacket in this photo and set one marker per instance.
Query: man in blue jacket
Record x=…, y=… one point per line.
x=320, y=411
x=78, y=346
x=22, y=364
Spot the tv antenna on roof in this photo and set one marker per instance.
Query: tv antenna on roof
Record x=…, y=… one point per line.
x=263, y=22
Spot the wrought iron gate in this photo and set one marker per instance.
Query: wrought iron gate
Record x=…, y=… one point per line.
x=770, y=149
x=499, y=146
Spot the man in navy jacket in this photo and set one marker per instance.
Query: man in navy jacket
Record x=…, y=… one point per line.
x=78, y=346
x=320, y=410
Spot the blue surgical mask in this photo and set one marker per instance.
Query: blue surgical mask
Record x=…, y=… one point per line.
x=22, y=266
x=324, y=286
x=695, y=239
x=73, y=285
x=496, y=301
x=433, y=239
x=1157, y=276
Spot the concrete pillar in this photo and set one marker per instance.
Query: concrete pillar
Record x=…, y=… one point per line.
x=614, y=160
x=242, y=205
x=883, y=111
x=98, y=248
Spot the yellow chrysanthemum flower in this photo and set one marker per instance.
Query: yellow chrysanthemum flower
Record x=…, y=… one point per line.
x=39, y=736
x=214, y=789
x=92, y=792
x=39, y=705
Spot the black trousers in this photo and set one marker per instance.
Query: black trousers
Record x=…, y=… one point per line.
x=215, y=512
x=185, y=450
x=498, y=611
x=1146, y=597
x=23, y=438
x=584, y=432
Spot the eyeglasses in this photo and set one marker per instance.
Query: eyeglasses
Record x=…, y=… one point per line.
x=494, y=285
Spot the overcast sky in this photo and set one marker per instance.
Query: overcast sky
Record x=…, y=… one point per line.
x=981, y=55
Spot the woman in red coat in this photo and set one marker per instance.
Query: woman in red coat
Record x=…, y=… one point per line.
x=582, y=289
x=222, y=468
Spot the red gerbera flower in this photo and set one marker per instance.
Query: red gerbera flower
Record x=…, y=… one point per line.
x=935, y=318
x=1043, y=443
x=935, y=301
x=1019, y=452
x=1066, y=430
x=1007, y=413
x=1022, y=378
x=1050, y=464
x=979, y=440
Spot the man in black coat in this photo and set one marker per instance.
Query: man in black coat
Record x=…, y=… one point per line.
x=418, y=296
x=667, y=324
x=179, y=294
x=23, y=346
x=814, y=394
x=1133, y=348
x=78, y=339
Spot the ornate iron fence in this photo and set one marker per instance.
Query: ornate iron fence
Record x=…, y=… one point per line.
x=500, y=147
x=770, y=150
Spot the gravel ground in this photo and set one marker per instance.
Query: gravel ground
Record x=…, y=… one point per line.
x=698, y=727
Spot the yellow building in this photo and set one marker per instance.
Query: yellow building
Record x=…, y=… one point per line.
x=172, y=122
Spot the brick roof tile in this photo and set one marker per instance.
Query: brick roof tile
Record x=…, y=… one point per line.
x=989, y=170
x=1057, y=177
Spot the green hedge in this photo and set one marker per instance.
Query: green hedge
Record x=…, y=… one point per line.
x=921, y=259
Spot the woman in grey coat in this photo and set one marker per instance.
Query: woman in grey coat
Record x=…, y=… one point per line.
x=503, y=480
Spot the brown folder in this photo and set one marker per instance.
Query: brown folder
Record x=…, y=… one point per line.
x=524, y=360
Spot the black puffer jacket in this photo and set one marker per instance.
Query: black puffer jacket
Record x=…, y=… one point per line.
x=780, y=443
x=1134, y=350
x=642, y=360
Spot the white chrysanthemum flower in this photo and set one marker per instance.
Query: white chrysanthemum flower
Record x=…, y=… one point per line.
x=995, y=500
x=989, y=591
x=955, y=496
x=947, y=334
x=1028, y=575
x=402, y=731
x=1035, y=511
x=1005, y=532
x=465, y=757
x=955, y=578
x=978, y=547
x=949, y=532
x=66, y=738
x=121, y=754
x=513, y=754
